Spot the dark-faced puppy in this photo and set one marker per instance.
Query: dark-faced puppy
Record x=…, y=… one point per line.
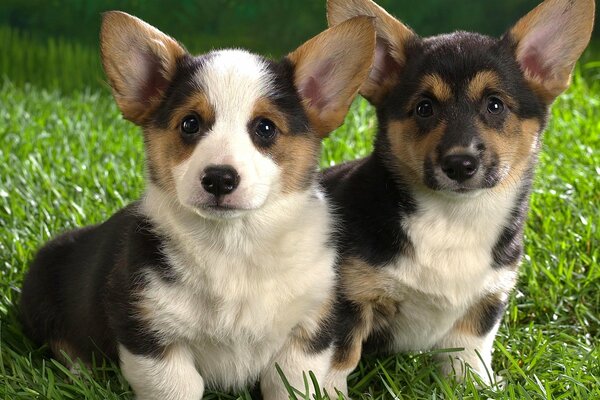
x=225, y=266
x=433, y=220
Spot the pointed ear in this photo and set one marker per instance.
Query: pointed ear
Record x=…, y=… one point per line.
x=330, y=68
x=549, y=40
x=139, y=61
x=392, y=37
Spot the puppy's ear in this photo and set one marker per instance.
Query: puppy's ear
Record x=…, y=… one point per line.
x=139, y=61
x=330, y=68
x=392, y=37
x=549, y=40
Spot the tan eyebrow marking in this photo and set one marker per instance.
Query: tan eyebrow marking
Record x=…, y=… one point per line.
x=437, y=86
x=481, y=82
x=198, y=103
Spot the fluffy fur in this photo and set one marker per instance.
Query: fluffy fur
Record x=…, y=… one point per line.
x=432, y=221
x=212, y=277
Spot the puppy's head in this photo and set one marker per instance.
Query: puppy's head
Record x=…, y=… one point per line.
x=229, y=130
x=463, y=112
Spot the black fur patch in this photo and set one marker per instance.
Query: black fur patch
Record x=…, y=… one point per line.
x=490, y=313
x=509, y=247
x=182, y=87
x=370, y=205
x=80, y=278
x=345, y=327
x=378, y=342
x=285, y=96
x=321, y=340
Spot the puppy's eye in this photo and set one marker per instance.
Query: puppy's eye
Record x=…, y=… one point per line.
x=190, y=125
x=265, y=128
x=495, y=105
x=424, y=109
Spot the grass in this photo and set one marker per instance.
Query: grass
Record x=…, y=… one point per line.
x=68, y=159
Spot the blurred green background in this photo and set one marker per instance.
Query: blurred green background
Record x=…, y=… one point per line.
x=40, y=38
x=262, y=25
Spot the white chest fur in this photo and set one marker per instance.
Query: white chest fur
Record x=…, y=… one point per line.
x=451, y=267
x=242, y=285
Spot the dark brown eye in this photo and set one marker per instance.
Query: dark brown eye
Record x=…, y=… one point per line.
x=495, y=105
x=190, y=125
x=424, y=109
x=265, y=129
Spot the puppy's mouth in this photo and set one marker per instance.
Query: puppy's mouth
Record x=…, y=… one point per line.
x=219, y=208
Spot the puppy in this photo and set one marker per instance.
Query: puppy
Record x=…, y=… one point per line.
x=432, y=221
x=225, y=266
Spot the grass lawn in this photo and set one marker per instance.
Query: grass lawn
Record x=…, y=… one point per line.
x=68, y=160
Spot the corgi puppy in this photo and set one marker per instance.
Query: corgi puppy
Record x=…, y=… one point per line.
x=432, y=221
x=225, y=267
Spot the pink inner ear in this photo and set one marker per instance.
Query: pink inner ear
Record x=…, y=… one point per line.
x=532, y=62
x=154, y=81
x=384, y=64
x=313, y=88
x=312, y=92
x=543, y=48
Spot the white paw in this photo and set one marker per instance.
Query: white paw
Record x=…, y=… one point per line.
x=460, y=370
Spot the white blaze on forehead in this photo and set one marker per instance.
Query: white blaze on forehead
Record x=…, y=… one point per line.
x=233, y=81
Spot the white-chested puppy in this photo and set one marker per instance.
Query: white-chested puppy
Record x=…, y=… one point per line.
x=225, y=266
x=432, y=222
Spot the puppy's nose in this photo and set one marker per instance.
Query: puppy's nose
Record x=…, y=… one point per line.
x=460, y=167
x=220, y=180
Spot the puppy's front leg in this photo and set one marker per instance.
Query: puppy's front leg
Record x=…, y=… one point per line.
x=477, y=353
x=475, y=332
x=296, y=359
x=171, y=376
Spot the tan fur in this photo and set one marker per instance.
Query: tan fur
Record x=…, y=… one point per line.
x=514, y=145
x=410, y=150
x=482, y=81
x=363, y=283
x=297, y=154
x=373, y=293
x=347, y=357
x=199, y=104
x=518, y=153
x=302, y=336
x=471, y=323
x=165, y=148
x=392, y=37
x=518, y=139
x=127, y=45
x=437, y=86
x=574, y=20
x=354, y=40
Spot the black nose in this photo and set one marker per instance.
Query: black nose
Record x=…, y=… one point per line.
x=460, y=167
x=220, y=180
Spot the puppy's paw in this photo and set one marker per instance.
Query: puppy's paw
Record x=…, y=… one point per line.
x=459, y=370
